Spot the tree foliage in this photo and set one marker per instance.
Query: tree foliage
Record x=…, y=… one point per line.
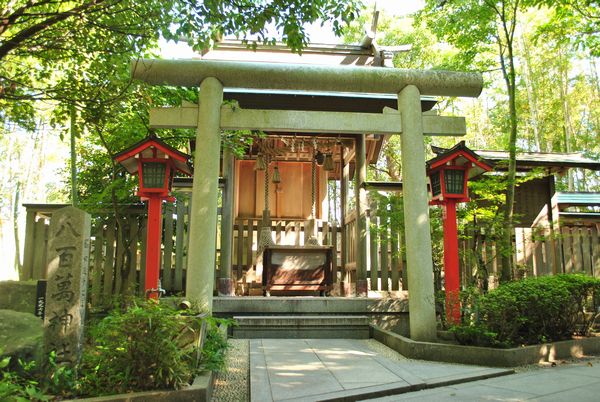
x=476, y=28
x=68, y=50
x=70, y=58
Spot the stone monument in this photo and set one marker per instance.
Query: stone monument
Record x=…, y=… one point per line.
x=66, y=292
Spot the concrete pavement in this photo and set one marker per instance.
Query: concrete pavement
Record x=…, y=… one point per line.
x=565, y=382
x=345, y=369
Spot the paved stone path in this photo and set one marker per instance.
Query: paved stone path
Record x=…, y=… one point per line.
x=310, y=370
x=320, y=369
x=576, y=382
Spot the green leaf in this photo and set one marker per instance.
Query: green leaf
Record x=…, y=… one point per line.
x=4, y=362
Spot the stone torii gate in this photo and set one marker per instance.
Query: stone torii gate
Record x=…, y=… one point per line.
x=210, y=116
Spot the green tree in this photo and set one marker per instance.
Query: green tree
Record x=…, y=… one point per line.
x=576, y=21
x=71, y=58
x=480, y=29
x=48, y=48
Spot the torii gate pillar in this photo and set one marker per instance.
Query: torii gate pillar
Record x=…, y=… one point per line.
x=416, y=211
x=203, y=216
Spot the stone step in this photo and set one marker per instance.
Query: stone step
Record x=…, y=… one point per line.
x=302, y=326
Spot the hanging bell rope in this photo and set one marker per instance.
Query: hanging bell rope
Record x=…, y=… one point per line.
x=312, y=240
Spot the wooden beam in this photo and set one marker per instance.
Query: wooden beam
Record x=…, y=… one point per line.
x=232, y=118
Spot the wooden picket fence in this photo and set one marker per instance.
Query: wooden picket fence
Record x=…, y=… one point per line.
x=283, y=232
x=117, y=266
x=386, y=265
x=116, y=262
x=537, y=253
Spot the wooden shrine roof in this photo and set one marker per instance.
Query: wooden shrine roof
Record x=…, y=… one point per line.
x=554, y=160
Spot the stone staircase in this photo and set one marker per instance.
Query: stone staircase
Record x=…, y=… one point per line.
x=298, y=317
x=302, y=326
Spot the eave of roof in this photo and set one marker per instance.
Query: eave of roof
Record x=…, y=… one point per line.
x=317, y=101
x=565, y=199
x=321, y=48
x=543, y=159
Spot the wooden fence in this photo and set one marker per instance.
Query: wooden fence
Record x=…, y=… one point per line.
x=284, y=232
x=386, y=265
x=537, y=253
x=117, y=265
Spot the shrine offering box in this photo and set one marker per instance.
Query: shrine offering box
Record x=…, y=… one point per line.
x=294, y=268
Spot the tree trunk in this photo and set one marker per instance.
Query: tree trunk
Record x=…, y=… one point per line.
x=73, y=132
x=509, y=74
x=531, y=95
x=564, y=101
x=15, y=219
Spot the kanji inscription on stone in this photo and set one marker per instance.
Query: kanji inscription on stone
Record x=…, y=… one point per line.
x=66, y=291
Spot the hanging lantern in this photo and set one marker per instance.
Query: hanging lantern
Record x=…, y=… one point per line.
x=260, y=162
x=276, y=175
x=328, y=164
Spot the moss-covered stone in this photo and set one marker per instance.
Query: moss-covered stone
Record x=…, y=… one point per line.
x=18, y=296
x=20, y=334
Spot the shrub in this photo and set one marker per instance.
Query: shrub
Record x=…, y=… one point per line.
x=531, y=311
x=476, y=335
x=148, y=346
x=212, y=356
x=21, y=385
x=145, y=346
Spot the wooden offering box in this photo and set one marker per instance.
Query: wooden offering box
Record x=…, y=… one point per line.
x=293, y=268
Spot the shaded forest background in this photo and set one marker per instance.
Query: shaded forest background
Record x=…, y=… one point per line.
x=64, y=81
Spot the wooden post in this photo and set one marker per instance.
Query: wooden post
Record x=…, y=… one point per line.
x=360, y=194
x=374, y=249
x=385, y=272
x=167, y=266
x=179, y=245
x=595, y=251
x=225, y=285
x=27, y=272
x=345, y=285
x=395, y=254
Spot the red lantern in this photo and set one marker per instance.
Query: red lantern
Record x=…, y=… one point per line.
x=448, y=174
x=156, y=164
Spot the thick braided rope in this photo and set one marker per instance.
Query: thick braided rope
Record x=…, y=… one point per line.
x=265, y=237
x=267, y=184
x=313, y=190
x=312, y=240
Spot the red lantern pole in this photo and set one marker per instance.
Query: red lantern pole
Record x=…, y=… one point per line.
x=451, y=262
x=153, y=239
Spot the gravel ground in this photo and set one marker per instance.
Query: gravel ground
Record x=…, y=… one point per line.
x=231, y=385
